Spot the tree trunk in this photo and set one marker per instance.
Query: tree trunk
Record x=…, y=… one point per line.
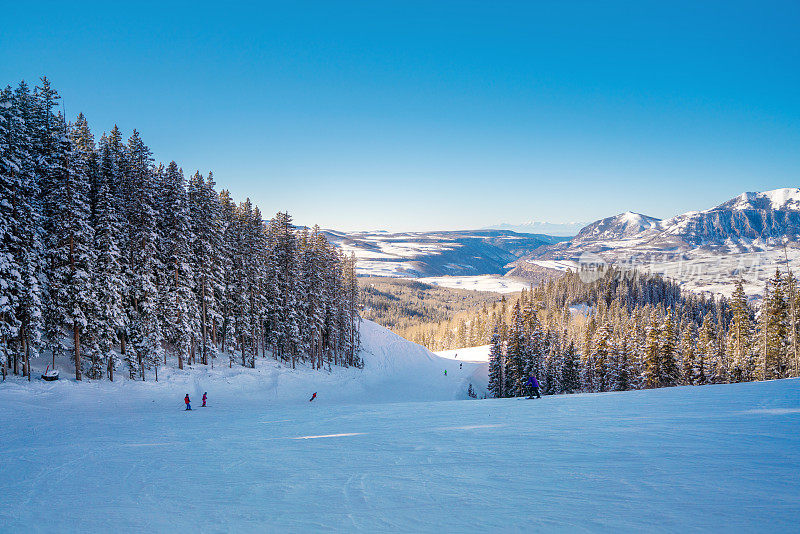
x=123, y=350
x=5, y=358
x=180, y=360
x=27, y=354
x=76, y=337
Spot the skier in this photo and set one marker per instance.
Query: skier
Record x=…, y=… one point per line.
x=314, y=396
x=534, y=385
x=186, y=400
x=204, y=400
x=445, y=372
x=460, y=365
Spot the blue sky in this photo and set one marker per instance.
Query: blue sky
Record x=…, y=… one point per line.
x=437, y=115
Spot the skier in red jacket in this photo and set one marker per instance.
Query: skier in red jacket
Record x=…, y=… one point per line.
x=204, y=399
x=186, y=400
x=314, y=396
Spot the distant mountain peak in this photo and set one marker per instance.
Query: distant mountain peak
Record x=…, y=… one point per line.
x=620, y=226
x=785, y=199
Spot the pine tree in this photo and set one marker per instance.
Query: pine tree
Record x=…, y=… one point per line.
x=181, y=316
x=518, y=353
x=109, y=284
x=620, y=370
x=206, y=259
x=10, y=276
x=687, y=344
x=601, y=356
x=570, y=372
x=282, y=276
x=652, y=358
x=704, y=352
x=670, y=374
x=740, y=344
x=70, y=242
x=773, y=338
x=143, y=244
x=496, y=366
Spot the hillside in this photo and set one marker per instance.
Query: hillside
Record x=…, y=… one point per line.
x=431, y=254
x=705, y=250
x=394, y=370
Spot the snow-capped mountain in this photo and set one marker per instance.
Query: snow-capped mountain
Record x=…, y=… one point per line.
x=750, y=217
x=620, y=226
x=705, y=249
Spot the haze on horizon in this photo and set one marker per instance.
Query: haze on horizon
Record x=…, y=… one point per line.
x=415, y=116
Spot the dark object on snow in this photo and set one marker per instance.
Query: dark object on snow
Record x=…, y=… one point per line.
x=534, y=385
x=204, y=400
x=50, y=374
x=314, y=396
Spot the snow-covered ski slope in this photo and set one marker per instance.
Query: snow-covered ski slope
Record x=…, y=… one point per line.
x=395, y=370
x=711, y=458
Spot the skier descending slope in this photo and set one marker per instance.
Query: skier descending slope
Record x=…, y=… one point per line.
x=314, y=396
x=204, y=399
x=534, y=385
x=186, y=400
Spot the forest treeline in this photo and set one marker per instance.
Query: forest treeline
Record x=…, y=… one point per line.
x=626, y=330
x=123, y=262
x=632, y=331
x=405, y=305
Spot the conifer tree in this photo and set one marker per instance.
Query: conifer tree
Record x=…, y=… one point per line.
x=652, y=357
x=668, y=365
x=496, y=366
x=109, y=284
x=69, y=242
x=570, y=372
x=143, y=246
x=601, y=356
x=740, y=344
x=180, y=305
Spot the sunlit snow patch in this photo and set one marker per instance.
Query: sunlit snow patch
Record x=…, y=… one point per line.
x=331, y=435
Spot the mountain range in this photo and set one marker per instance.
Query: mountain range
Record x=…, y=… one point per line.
x=430, y=254
x=705, y=250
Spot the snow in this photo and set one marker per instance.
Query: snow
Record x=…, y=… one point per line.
x=485, y=282
x=96, y=457
x=467, y=354
x=787, y=198
x=394, y=370
x=637, y=220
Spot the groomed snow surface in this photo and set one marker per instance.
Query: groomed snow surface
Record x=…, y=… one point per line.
x=99, y=457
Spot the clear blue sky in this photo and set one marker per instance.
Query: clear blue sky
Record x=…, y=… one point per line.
x=437, y=115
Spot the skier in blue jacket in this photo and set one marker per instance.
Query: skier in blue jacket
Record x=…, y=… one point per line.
x=534, y=385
